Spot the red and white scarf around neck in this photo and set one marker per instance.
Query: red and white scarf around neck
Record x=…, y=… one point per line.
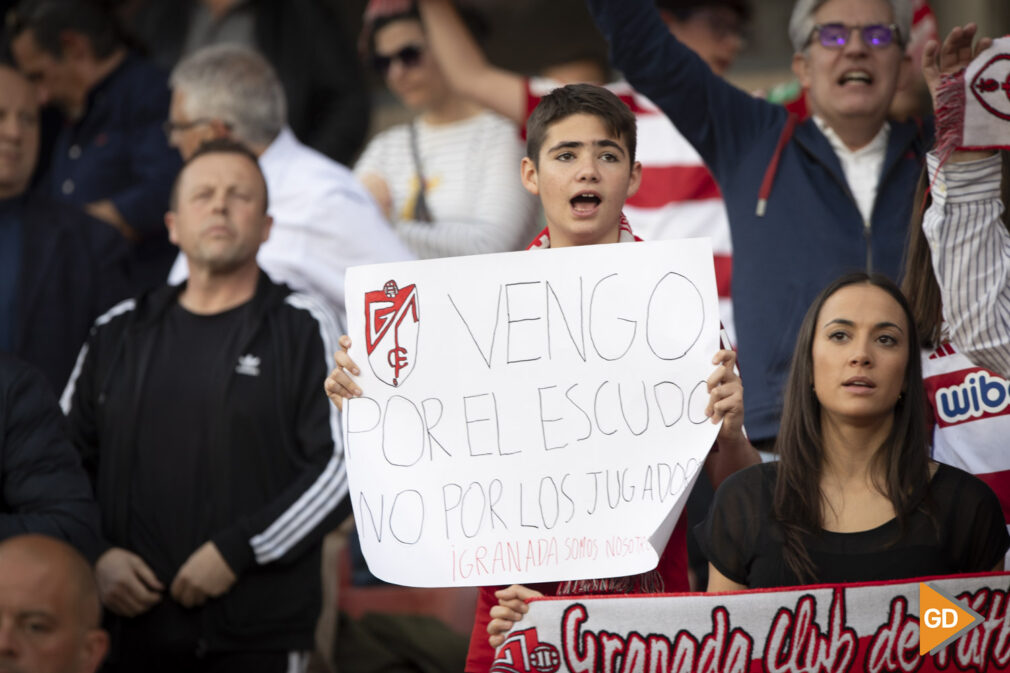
x=543, y=239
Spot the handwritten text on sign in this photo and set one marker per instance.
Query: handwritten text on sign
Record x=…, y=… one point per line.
x=528, y=416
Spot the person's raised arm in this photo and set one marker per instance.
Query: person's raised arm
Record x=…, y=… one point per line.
x=465, y=66
x=955, y=54
x=718, y=119
x=968, y=241
x=970, y=248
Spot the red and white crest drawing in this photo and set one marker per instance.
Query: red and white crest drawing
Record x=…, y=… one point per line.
x=392, y=320
x=991, y=86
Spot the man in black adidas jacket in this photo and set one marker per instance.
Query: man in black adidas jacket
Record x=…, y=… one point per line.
x=215, y=457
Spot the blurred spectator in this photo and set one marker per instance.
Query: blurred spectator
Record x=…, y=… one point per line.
x=44, y=488
x=447, y=180
x=110, y=156
x=324, y=220
x=59, y=268
x=678, y=197
x=328, y=100
x=807, y=200
x=971, y=254
x=584, y=69
x=969, y=429
x=49, y=602
x=969, y=243
x=955, y=280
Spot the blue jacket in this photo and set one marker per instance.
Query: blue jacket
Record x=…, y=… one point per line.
x=43, y=488
x=72, y=269
x=812, y=230
x=117, y=150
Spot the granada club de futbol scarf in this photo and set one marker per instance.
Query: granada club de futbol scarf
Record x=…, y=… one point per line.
x=876, y=627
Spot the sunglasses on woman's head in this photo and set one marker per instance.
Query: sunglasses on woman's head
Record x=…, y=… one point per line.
x=836, y=35
x=409, y=56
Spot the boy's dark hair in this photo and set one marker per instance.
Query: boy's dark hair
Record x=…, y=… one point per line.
x=48, y=19
x=219, y=146
x=682, y=9
x=573, y=99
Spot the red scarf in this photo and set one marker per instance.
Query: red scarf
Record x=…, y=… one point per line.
x=625, y=235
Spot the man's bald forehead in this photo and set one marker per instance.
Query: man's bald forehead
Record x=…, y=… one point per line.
x=42, y=550
x=10, y=70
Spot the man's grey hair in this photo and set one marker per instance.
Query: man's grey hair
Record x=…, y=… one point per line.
x=237, y=86
x=801, y=24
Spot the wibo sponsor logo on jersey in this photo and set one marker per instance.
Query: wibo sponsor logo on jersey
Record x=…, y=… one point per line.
x=968, y=395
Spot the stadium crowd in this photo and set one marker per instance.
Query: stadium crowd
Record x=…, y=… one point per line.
x=184, y=184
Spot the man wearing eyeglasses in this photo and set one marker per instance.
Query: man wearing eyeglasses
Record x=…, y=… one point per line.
x=806, y=200
x=324, y=220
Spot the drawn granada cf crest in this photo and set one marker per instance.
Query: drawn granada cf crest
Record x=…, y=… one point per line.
x=391, y=325
x=991, y=86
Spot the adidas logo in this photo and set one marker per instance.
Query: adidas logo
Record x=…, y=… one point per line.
x=248, y=365
x=943, y=351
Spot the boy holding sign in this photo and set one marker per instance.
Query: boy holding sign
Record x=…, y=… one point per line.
x=581, y=163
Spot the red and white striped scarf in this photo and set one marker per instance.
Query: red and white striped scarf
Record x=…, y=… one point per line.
x=543, y=239
x=973, y=111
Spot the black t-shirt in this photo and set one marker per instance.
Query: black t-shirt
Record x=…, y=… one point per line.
x=964, y=531
x=170, y=513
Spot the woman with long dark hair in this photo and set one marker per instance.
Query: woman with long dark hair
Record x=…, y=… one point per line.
x=854, y=496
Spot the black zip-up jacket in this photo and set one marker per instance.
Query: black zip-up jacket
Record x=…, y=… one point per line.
x=277, y=487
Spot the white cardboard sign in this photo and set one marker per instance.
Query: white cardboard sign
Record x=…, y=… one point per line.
x=528, y=416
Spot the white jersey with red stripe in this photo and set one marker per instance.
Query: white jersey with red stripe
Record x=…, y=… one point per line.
x=678, y=197
x=971, y=413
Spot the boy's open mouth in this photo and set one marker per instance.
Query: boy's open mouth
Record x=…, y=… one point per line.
x=585, y=202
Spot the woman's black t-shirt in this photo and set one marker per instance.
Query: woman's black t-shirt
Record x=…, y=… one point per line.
x=963, y=532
